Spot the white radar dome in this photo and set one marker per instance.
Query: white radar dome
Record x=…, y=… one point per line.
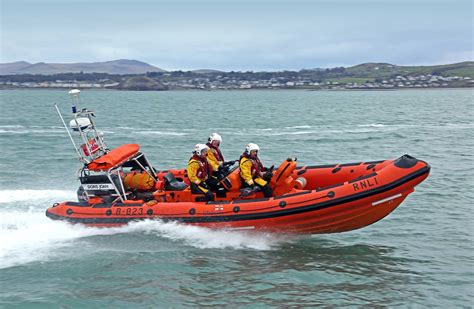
x=82, y=123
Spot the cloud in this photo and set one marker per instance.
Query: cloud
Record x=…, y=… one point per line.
x=111, y=52
x=456, y=56
x=253, y=35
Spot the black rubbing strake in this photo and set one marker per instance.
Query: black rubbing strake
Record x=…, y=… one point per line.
x=218, y=202
x=363, y=177
x=256, y=216
x=329, y=187
x=102, y=205
x=80, y=204
x=350, y=164
x=252, y=200
x=292, y=194
x=373, y=162
x=311, y=167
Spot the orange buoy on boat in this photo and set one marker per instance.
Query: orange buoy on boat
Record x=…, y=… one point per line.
x=141, y=181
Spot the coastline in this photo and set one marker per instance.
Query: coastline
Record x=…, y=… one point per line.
x=236, y=89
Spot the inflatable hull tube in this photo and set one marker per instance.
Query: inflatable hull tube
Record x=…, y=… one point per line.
x=335, y=198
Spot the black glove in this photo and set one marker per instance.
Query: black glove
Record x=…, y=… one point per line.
x=218, y=175
x=229, y=163
x=267, y=176
x=267, y=191
x=209, y=195
x=204, y=185
x=266, y=169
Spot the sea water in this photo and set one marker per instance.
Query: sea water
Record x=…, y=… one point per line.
x=420, y=255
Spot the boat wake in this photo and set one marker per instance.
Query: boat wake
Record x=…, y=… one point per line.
x=274, y=131
x=10, y=196
x=27, y=236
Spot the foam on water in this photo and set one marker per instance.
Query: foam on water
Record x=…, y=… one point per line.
x=205, y=238
x=376, y=125
x=292, y=133
x=299, y=127
x=161, y=133
x=31, y=131
x=8, y=196
x=27, y=235
x=12, y=126
x=317, y=130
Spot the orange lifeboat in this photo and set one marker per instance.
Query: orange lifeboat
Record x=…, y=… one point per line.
x=307, y=199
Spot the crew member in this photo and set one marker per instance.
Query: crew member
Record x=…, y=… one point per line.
x=252, y=170
x=214, y=155
x=199, y=171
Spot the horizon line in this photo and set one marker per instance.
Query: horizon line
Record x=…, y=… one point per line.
x=232, y=70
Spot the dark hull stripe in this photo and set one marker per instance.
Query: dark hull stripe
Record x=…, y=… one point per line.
x=350, y=164
x=363, y=177
x=374, y=162
x=329, y=187
x=312, y=167
x=292, y=194
x=256, y=216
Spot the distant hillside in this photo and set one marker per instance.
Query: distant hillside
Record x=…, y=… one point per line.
x=141, y=83
x=364, y=71
x=206, y=71
x=122, y=66
x=5, y=68
x=385, y=70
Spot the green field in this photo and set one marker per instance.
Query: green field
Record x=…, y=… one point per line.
x=385, y=70
x=347, y=80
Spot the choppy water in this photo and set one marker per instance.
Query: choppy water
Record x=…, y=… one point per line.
x=421, y=255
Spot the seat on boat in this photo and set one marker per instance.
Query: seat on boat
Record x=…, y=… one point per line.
x=173, y=184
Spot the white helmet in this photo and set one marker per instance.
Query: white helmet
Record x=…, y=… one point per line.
x=199, y=148
x=215, y=137
x=250, y=147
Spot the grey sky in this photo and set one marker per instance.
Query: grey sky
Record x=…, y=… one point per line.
x=238, y=35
